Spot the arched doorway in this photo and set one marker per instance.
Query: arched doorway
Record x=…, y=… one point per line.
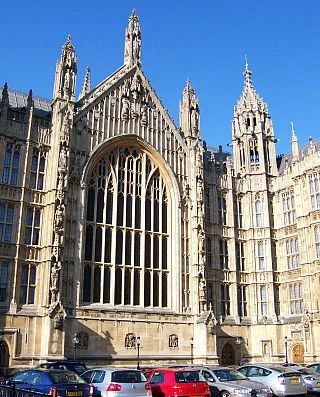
x=4, y=357
x=298, y=353
x=227, y=355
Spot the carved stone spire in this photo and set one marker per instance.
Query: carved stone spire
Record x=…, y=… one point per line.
x=66, y=70
x=189, y=111
x=132, y=49
x=5, y=95
x=4, y=105
x=30, y=100
x=253, y=138
x=294, y=144
x=86, y=88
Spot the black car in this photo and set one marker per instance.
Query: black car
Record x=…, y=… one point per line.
x=54, y=382
x=74, y=366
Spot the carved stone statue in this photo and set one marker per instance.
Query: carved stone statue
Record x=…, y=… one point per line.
x=125, y=109
x=144, y=115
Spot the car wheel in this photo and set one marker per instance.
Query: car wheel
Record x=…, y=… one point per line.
x=224, y=393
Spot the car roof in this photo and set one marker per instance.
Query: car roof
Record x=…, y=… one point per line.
x=110, y=369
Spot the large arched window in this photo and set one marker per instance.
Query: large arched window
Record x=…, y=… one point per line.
x=126, y=232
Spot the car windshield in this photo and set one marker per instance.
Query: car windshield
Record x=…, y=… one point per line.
x=228, y=375
x=128, y=377
x=282, y=369
x=66, y=377
x=188, y=376
x=78, y=368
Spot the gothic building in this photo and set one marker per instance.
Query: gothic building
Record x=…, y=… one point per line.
x=119, y=229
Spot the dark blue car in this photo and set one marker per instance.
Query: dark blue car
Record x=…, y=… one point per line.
x=55, y=382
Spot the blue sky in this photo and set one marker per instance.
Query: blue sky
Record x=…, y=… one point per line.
x=205, y=41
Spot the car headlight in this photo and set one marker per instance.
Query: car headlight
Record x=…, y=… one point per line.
x=242, y=391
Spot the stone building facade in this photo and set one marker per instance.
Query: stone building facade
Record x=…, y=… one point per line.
x=118, y=228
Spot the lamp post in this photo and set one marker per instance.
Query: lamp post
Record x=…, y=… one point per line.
x=191, y=350
x=239, y=346
x=138, y=351
x=75, y=342
x=286, y=349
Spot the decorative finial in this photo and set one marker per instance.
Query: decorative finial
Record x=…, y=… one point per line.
x=86, y=88
x=5, y=95
x=68, y=45
x=132, y=50
x=30, y=100
x=247, y=72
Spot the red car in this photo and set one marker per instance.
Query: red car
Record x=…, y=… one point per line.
x=165, y=382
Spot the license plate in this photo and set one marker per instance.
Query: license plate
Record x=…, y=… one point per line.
x=294, y=380
x=75, y=393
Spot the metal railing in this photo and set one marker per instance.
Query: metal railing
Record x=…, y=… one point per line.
x=14, y=391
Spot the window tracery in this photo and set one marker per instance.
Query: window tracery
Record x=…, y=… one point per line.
x=126, y=232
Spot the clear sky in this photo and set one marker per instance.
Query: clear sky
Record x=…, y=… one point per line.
x=204, y=40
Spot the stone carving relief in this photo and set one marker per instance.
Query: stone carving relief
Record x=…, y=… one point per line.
x=173, y=341
x=130, y=341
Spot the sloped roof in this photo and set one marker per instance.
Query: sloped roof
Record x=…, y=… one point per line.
x=18, y=100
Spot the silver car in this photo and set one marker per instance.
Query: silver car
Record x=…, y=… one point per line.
x=116, y=382
x=228, y=382
x=311, y=379
x=283, y=381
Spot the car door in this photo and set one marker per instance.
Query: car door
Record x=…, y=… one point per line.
x=156, y=382
x=209, y=377
x=258, y=374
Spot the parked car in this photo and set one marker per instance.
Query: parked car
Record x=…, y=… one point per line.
x=166, y=382
x=283, y=381
x=74, y=366
x=314, y=366
x=112, y=382
x=311, y=379
x=227, y=382
x=55, y=382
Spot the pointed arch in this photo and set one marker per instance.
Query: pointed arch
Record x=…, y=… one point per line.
x=137, y=241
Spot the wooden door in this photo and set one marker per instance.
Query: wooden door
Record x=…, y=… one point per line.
x=298, y=354
x=227, y=355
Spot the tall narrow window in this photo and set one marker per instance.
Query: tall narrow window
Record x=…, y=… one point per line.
x=296, y=298
x=288, y=207
x=314, y=187
x=258, y=213
x=6, y=222
x=263, y=300
x=238, y=215
x=317, y=241
x=4, y=279
x=261, y=258
x=32, y=226
x=242, y=301
x=225, y=300
x=292, y=250
x=11, y=165
x=222, y=210
x=223, y=252
x=28, y=284
x=37, y=170
x=207, y=205
x=240, y=256
x=127, y=230
x=209, y=252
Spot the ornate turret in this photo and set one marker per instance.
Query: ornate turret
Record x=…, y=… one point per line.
x=252, y=132
x=294, y=145
x=189, y=112
x=86, y=88
x=66, y=70
x=132, y=49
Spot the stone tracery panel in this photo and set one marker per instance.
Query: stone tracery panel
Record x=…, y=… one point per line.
x=126, y=232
